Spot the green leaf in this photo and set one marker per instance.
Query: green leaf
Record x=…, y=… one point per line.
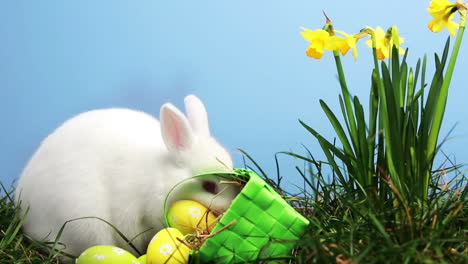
x=338, y=128
x=330, y=150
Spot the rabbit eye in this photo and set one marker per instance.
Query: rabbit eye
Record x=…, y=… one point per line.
x=210, y=187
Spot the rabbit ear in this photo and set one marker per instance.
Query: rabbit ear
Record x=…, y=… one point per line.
x=175, y=129
x=197, y=115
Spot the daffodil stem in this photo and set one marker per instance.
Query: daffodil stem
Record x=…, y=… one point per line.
x=440, y=109
x=374, y=93
x=439, y=112
x=349, y=115
x=374, y=109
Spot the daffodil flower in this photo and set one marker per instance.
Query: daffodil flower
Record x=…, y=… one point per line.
x=443, y=12
x=322, y=40
x=344, y=44
x=319, y=41
x=384, y=43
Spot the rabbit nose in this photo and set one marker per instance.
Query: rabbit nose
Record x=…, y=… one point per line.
x=210, y=187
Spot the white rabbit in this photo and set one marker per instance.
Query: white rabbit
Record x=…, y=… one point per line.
x=119, y=165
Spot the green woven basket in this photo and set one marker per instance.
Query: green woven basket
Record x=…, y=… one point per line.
x=267, y=226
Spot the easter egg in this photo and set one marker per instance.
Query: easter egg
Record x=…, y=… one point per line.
x=106, y=255
x=142, y=259
x=188, y=216
x=165, y=248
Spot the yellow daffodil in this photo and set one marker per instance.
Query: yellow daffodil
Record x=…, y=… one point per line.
x=322, y=40
x=384, y=43
x=343, y=44
x=319, y=40
x=443, y=12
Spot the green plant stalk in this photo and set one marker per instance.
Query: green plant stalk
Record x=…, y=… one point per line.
x=349, y=116
x=385, y=125
x=388, y=149
x=385, y=148
x=376, y=119
x=373, y=117
x=442, y=102
x=348, y=113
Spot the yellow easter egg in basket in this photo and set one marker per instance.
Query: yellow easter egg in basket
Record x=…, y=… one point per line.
x=166, y=248
x=190, y=216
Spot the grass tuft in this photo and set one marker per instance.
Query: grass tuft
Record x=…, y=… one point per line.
x=15, y=247
x=347, y=227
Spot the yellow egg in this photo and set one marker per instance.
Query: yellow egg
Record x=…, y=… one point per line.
x=165, y=248
x=188, y=216
x=142, y=259
x=106, y=255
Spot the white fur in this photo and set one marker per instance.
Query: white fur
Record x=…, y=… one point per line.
x=119, y=165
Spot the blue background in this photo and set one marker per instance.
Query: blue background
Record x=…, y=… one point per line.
x=245, y=59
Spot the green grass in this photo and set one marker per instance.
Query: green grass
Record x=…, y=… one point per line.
x=346, y=228
x=343, y=226
x=15, y=247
